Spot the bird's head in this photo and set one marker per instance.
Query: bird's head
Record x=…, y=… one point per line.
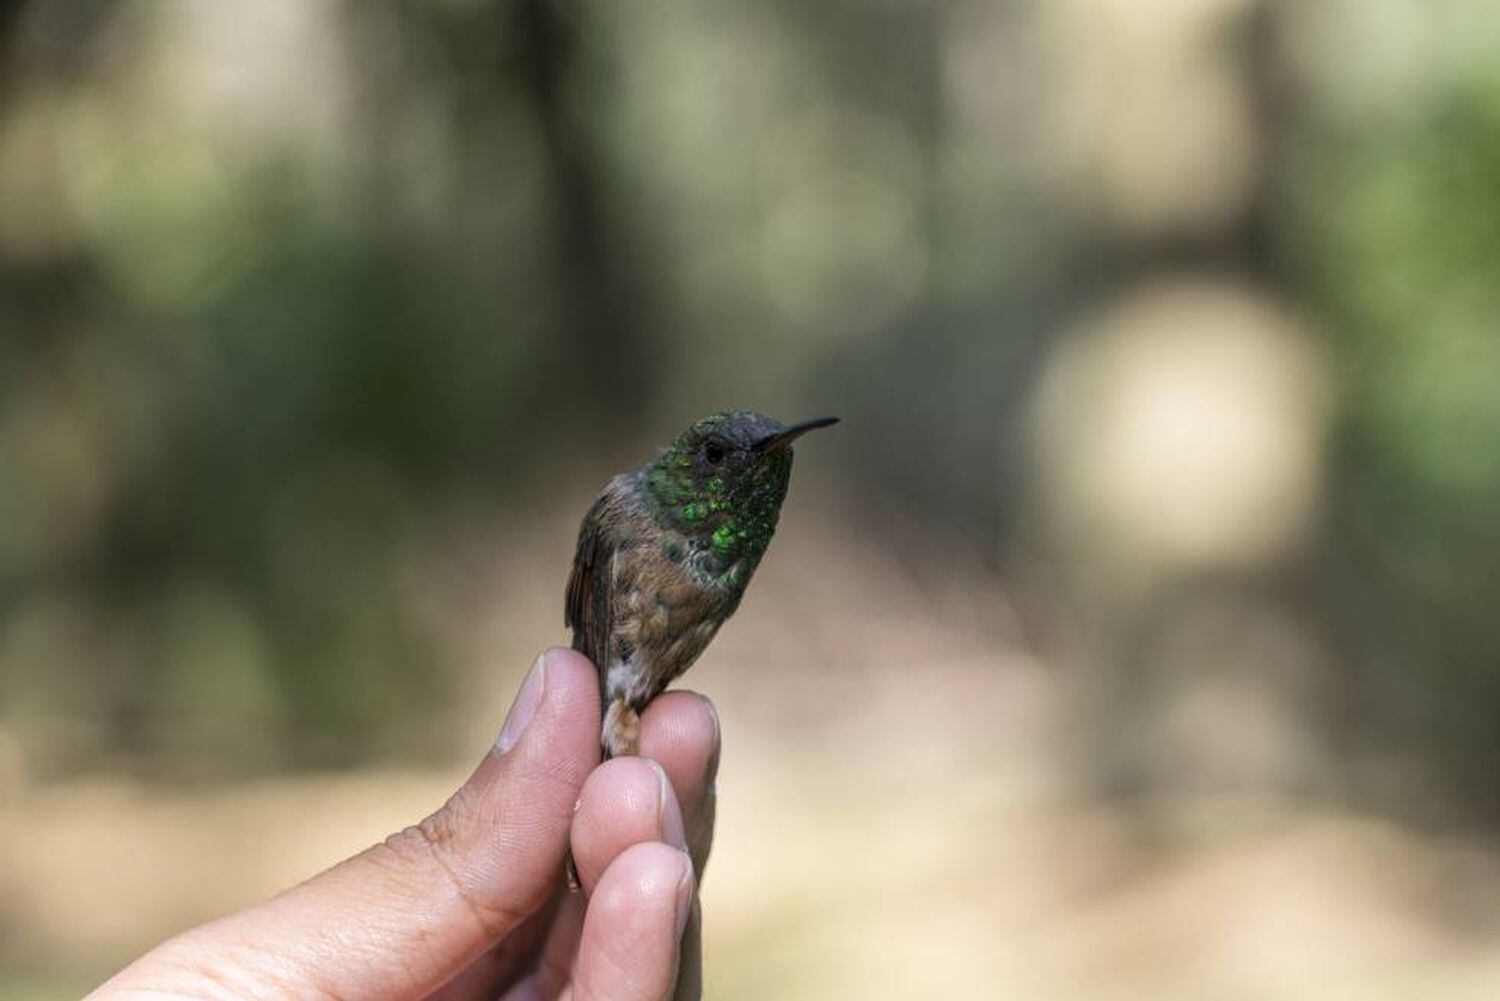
x=724, y=478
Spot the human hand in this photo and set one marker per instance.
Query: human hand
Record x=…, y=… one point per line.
x=471, y=902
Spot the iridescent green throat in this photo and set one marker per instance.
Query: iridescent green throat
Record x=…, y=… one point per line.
x=726, y=520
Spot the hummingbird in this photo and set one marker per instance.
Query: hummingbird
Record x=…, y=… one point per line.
x=666, y=552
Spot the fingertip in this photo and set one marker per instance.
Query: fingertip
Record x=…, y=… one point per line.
x=625, y=801
x=684, y=718
x=572, y=670
x=680, y=729
x=563, y=689
x=632, y=932
x=653, y=875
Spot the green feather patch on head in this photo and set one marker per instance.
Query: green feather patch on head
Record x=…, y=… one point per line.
x=714, y=487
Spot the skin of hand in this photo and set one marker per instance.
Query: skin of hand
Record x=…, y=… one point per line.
x=472, y=902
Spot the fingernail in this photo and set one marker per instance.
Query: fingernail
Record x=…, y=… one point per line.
x=712, y=771
x=524, y=707
x=668, y=820
x=684, y=895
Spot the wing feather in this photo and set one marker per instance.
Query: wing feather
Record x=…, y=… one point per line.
x=587, y=609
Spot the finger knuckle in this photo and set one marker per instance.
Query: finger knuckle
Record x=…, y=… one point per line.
x=437, y=844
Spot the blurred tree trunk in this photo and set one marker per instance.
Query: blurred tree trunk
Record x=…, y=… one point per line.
x=599, y=294
x=50, y=301
x=38, y=292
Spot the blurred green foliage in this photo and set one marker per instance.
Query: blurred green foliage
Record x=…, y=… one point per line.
x=1402, y=234
x=285, y=291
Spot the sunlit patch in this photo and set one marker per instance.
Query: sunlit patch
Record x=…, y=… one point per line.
x=1185, y=425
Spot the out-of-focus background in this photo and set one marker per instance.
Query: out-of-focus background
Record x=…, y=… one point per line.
x=1136, y=635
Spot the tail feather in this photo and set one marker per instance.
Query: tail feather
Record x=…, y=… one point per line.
x=620, y=736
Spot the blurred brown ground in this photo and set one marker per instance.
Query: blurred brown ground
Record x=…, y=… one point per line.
x=899, y=817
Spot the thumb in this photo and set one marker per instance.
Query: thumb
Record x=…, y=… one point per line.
x=403, y=917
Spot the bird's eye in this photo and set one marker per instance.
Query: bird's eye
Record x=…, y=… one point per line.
x=713, y=453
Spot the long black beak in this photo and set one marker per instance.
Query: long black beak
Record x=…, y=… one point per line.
x=781, y=439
